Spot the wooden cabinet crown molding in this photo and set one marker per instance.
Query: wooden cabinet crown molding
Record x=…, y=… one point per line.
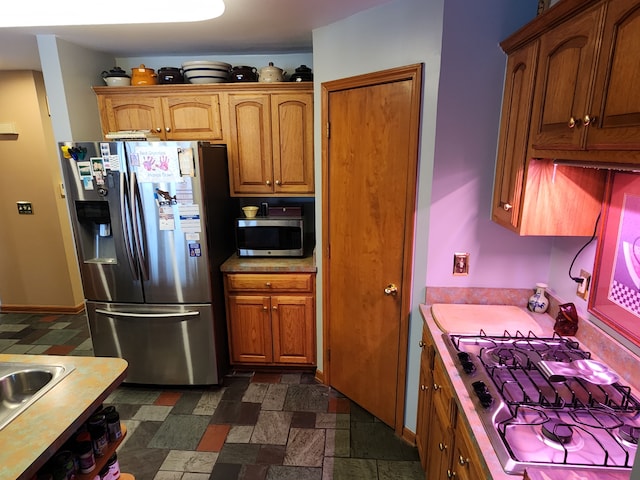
x=560, y=12
x=193, y=89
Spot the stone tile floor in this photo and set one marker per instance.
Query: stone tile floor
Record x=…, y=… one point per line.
x=255, y=426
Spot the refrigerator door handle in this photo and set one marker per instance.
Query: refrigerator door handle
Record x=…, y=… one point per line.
x=147, y=315
x=125, y=226
x=138, y=224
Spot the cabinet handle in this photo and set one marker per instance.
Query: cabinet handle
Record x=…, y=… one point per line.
x=167, y=129
x=462, y=460
x=586, y=121
x=507, y=207
x=158, y=130
x=267, y=284
x=442, y=446
x=268, y=182
x=277, y=182
x=451, y=474
x=572, y=122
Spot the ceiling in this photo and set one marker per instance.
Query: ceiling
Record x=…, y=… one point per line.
x=247, y=26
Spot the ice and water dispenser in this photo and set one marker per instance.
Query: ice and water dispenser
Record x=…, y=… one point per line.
x=96, y=240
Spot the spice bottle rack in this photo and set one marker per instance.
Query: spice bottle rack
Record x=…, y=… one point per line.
x=102, y=461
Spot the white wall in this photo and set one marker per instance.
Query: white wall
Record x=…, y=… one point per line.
x=69, y=73
x=469, y=102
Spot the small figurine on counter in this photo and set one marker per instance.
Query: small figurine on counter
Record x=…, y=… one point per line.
x=567, y=320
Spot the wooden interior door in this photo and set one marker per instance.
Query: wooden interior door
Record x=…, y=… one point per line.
x=369, y=186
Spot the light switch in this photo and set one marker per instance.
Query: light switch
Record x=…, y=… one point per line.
x=25, y=208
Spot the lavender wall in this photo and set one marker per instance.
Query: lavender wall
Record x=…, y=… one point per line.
x=469, y=100
x=457, y=41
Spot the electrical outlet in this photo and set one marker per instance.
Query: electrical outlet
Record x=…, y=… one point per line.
x=460, y=263
x=583, y=288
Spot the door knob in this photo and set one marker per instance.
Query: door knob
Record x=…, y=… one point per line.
x=391, y=289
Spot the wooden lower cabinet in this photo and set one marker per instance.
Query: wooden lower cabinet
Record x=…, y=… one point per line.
x=271, y=318
x=442, y=436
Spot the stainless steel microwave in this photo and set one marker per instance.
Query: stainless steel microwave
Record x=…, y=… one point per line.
x=270, y=237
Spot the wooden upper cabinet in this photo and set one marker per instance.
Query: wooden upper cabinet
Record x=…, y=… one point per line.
x=271, y=144
x=250, y=151
x=124, y=112
x=268, y=127
x=292, y=133
x=171, y=116
x=192, y=117
x=587, y=95
x=616, y=101
x=514, y=136
x=566, y=71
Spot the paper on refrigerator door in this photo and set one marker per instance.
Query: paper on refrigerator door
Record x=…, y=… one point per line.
x=189, y=218
x=157, y=164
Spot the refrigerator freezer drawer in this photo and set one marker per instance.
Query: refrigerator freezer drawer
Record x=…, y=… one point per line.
x=164, y=344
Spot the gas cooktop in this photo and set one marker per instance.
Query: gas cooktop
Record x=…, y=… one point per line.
x=534, y=418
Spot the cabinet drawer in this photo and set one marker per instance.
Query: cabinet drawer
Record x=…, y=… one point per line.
x=289, y=282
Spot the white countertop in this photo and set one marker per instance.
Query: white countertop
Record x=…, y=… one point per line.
x=465, y=318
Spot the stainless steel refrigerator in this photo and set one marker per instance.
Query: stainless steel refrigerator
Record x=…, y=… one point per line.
x=153, y=222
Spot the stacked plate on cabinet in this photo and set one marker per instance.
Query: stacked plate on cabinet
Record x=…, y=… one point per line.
x=205, y=71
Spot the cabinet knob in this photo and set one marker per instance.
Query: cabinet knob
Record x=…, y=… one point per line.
x=442, y=446
x=275, y=307
x=572, y=122
x=277, y=182
x=264, y=307
x=267, y=284
x=507, y=207
x=167, y=129
x=436, y=387
x=451, y=474
x=158, y=130
x=421, y=344
x=268, y=182
x=424, y=388
x=462, y=460
x=586, y=121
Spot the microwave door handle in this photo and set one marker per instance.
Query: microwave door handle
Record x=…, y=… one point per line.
x=124, y=218
x=138, y=224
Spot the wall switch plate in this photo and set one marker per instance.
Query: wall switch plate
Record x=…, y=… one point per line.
x=461, y=263
x=25, y=208
x=583, y=288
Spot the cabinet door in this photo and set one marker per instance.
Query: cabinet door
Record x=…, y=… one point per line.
x=424, y=407
x=250, y=328
x=292, y=134
x=250, y=150
x=192, y=117
x=466, y=464
x=514, y=136
x=566, y=73
x=439, y=448
x=125, y=112
x=292, y=320
x=616, y=105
